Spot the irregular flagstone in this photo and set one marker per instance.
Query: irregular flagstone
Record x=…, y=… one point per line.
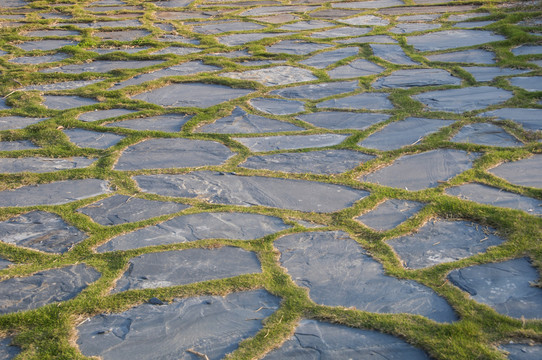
x=232, y=54
x=92, y=139
x=527, y=50
x=171, y=153
x=390, y=214
x=113, y=24
x=45, y=287
x=443, y=241
x=290, y=142
x=102, y=66
x=464, y=99
x=522, y=351
x=423, y=170
x=369, y=101
x=475, y=56
x=17, y=122
x=176, y=50
x=3, y=105
x=417, y=18
x=525, y=172
x=277, y=19
x=323, y=59
x=42, y=231
x=242, y=39
x=13, y=3
x=225, y=26
x=531, y=83
x=177, y=329
x=345, y=31
x=392, y=53
x=4, y=263
x=121, y=209
x=347, y=276
x=17, y=145
x=483, y=73
x=306, y=25
x=400, y=10
x=241, y=122
x=412, y=27
x=181, y=15
x=125, y=35
x=178, y=39
x=273, y=10
x=226, y=188
x=467, y=16
x=173, y=3
x=44, y=33
x=529, y=119
x=279, y=75
x=372, y=4
x=488, y=195
x=485, y=134
x=403, y=133
x=357, y=68
x=104, y=114
x=341, y=120
x=416, y=77
x=166, y=122
x=198, y=95
x=124, y=49
x=473, y=24
x=314, y=339
x=317, y=91
x=66, y=85
x=181, y=267
x=450, y=39
x=383, y=39
x=277, y=106
x=45, y=44
x=7, y=350
x=194, y=227
x=333, y=14
x=65, y=102
x=366, y=20
x=39, y=59
x=314, y=162
x=42, y=165
x=260, y=62
x=505, y=286
x=296, y=47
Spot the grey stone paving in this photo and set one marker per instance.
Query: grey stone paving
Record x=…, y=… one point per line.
x=505, y=286
x=290, y=142
x=390, y=214
x=366, y=20
x=356, y=68
x=392, y=53
x=326, y=58
x=366, y=101
x=317, y=91
x=104, y=114
x=181, y=267
x=356, y=279
x=531, y=83
x=341, y=120
x=101, y=66
x=44, y=44
x=7, y=350
x=481, y=73
x=525, y=172
x=464, y=99
x=17, y=145
x=45, y=287
x=277, y=106
x=529, y=119
x=17, y=122
x=170, y=331
x=92, y=139
x=527, y=50
x=451, y=39
x=39, y=59
x=485, y=134
x=43, y=165
x=475, y=56
x=404, y=79
x=413, y=27
x=522, y=351
x=65, y=102
x=167, y=123
x=295, y=47
x=65, y=85
x=279, y=75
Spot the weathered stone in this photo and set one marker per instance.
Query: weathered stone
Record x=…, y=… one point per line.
x=3, y=105
x=226, y=188
x=121, y=209
x=13, y=4
x=194, y=227
x=347, y=276
x=412, y=27
x=279, y=75
x=112, y=24
x=392, y=53
x=400, y=10
x=66, y=85
x=522, y=351
x=124, y=35
x=290, y=142
x=306, y=25
x=321, y=60
x=372, y=4
x=473, y=24
x=278, y=19
x=178, y=39
x=17, y=145
x=45, y=45
x=483, y=73
x=242, y=39
x=178, y=329
x=39, y=59
x=341, y=120
x=260, y=62
x=333, y=14
x=488, y=195
x=417, y=18
x=525, y=172
x=273, y=10
x=530, y=119
x=475, y=56
x=424, y=170
x=505, y=286
x=295, y=47
x=55, y=15
x=466, y=16
x=345, y=31
x=124, y=49
x=464, y=99
x=485, y=134
x=225, y=26
x=17, y=122
x=171, y=153
x=403, y=133
x=181, y=267
x=7, y=350
x=366, y=20
x=198, y=95
x=44, y=33
x=383, y=39
x=450, y=39
x=176, y=50
x=232, y=54
x=531, y=83
x=313, y=339
x=42, y=165
x=92, y=139
x=408, y=78
x=314, y=162
x=112, y=8
x=369, y=101
x=356, y=68
x=317, y=91
x=45, y=287
x=102, y=66
x=527, y=50
x=104, y=114
x=390, y=214
x=241, y=122
x=65, y=102
x=277, y=106
x=166, y=122
x=42, y=231
x=181, y=15
x=173, y=3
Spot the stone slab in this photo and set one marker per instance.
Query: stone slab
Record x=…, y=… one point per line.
x=39, y=59
x=317, y=91
x=314, y=162
x=17, y=122
x=110, y=24
x=418, y=18
x=121, y=209
x=176, y=50
x=505, y=286
x=169, y=331
x=423, y=170
x=355, y=69
x=527, y=50
x=45, y=45
x=382, y=39
x=55, y=193
x=274, y=10
x=242, y=39
x=273, y=76
x=466, y=16
x=102, y=66
x=124, y=49
x=442, y=241
x=295, y=47
x=65, y=102
x=314, y=339
x=529, y=83
x=403, y=133
x=392, y=53
x=345, y=31
x=167, y=122
x=485, y=134
x=366, y=20
x=198, y=95
x=45, y=287
x=277, y=106
x=333, y=14
x=525, y=172
x=65, y=85
x=464, y=99
x=400, y=10
x=17, y=145
x=522, y=351
x=474, y=56
x=529, y=119
x=451, y=39
x=324, y=59
x=348, y=277
x=172, y=153
x=241, y=122
x=181, y=267
x=194, y=227
x=92, y=139
x=408, y=28
x=483, y=73
x=3, y=105
x=473, y=24
x=7, y=350
x=42, y=165
x=290, y=142
x=52, y=32
x=104, y=114
x=342, y=120
x=367, y=101
x=488, y=195
x=227, y=188
x=167, y=38
x=390, y=214
x=226, y=26
x=372, y=4
x=306, y=25
x=404, y=79
x=124, y=35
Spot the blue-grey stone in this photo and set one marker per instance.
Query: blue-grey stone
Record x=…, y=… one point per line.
x=450, y=39
x=101, y=66
x=485, y=134
x=412, y=27
x=273, y=76
x=45, y=45
x=475, y=56
x=43, y=165
x=527, y=49
x=324, y=59
x=529, y=83
x=392, y=53
x=529, y=119
x=7, y=350
x=344, y=31
x=104, y=114
x=464, y=99
x=382, y=39
x=65, y=85
x=65, y=102
x=167, y=123
x=368, y=101
x=39, y=59
x=317, y=91
x=92, y=139
x=416, y=77
x=366, y=20
x=124, y=35
x=290, y=142
x=17, y=145
x=356, y=68
x=295, y=47
x=522, y=351
x=525, y=172
x=484, y=73
x=390, y=214
x=277, y=106
x=342, y=120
